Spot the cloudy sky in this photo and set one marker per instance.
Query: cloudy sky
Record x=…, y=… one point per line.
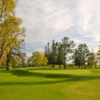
x=46, y=20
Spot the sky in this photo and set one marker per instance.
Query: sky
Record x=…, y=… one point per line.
x=46, y=20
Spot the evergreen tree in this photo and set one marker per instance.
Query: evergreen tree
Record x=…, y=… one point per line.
x=53, y=53
x=59, y=54
x=77, y=58
x=46, y=52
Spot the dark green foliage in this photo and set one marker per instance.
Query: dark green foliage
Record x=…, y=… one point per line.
x=78, y=61
x=77, y=58
x=81, y=55
x=53, y=53
x=48, y=53
x=58, y=54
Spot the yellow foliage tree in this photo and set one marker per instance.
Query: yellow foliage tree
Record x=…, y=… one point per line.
x=38, y=59
x=14, y=62
x=10, y=30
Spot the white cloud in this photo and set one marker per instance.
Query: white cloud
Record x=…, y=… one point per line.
x=46, y=20
x=89, y=18
x=27, y=48
x=77, y=41
x=28, y=54
x=39, y=49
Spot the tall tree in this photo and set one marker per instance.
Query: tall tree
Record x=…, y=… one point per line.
x=53, y=52
x=9, y=26
x=77, y=58
x=59, y=54
x=48, y=48
x=46, y=51
x=84, y=52
x=67, y=48
x=92, y=60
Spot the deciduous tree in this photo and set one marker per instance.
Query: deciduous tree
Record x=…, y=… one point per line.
x=68, y=46
x=10, y=29
x=84, y=52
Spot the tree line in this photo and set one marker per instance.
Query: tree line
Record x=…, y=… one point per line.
x=61, y=52
x=83, y=57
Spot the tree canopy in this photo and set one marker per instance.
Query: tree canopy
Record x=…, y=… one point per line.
x=10, y=30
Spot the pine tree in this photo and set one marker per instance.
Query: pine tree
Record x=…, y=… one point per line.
x=53, y=53
x=77, y=58
x=59, y=54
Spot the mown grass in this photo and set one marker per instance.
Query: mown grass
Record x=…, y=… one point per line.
x=49, y=84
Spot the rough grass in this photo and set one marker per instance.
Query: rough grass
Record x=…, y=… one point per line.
x=49, y=84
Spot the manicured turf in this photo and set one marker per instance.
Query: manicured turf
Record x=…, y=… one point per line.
x=49, y=84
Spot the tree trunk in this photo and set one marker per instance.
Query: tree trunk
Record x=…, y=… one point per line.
x=7, y=64
x=84, y=66
x=95, y=65
x=64, y=65
x=59, y=65
x=53, y=65
x=64, y=62
x=0, y=60
x=79, y=66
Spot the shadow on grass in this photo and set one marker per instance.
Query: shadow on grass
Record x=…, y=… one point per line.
x=2, y=70
x=67, y=78
x=53, y=68
x=22, y=73
x=31, y=83
x=45, y=69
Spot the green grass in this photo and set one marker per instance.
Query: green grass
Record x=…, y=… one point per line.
x=49, y=84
